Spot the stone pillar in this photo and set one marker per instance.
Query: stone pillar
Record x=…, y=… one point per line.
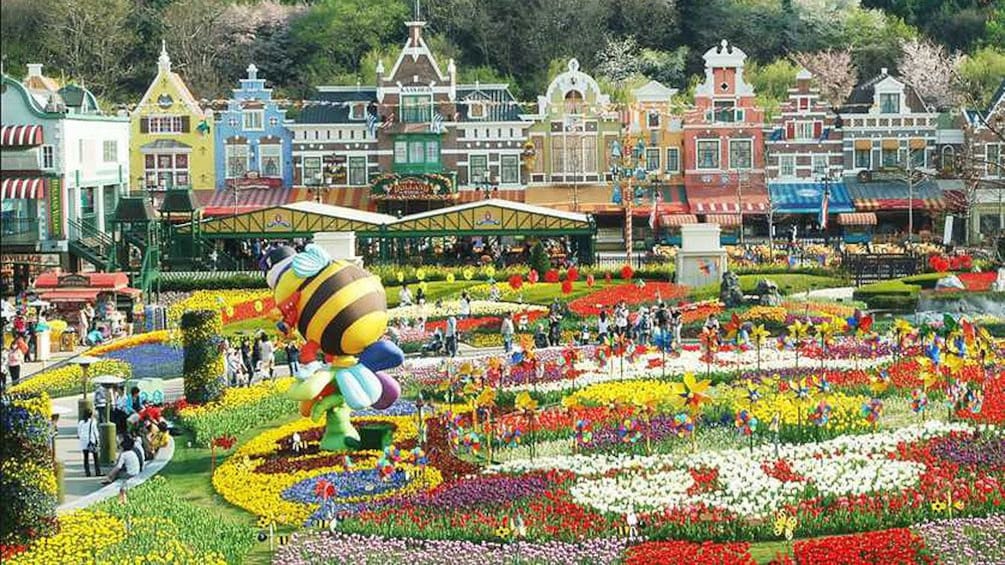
x=339, y=245
x=701, y=260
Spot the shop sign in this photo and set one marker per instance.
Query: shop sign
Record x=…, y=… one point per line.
x=41, y=260
x=56, y=208
x=73, y=280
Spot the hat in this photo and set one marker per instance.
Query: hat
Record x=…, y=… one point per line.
x=277, y=254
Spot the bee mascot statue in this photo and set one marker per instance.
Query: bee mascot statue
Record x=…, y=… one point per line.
x=341, y=312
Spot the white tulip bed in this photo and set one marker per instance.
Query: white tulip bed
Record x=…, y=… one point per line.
x=847, y=465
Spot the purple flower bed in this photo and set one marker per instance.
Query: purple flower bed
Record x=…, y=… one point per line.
x=985, y=451
x=481, y=491
x=151, y=360
x=351, y=484
x=966, y=541
x=433, y=373
x=350, y=549
x=662, y=427
x=400, y=407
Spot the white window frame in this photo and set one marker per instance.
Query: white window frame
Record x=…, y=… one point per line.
x=854, y=158
x=400, y=152
x=246, y=114
x=229, y=151
x=471, y=168
x=650, y=153
x=48, y=156
x=750, y=164
x=164, y=124
x=896, y=95
x=787, y=166
x=152, y=176
x=513, y=165
x=659, y=119
x=110, y=150
x=349, y=170
x=676, y=152
x=801, y=129
x=304, y=168
x=993, y=169
x=477, y=110
x=357, y=111
x=718, y=154
x=820, y=168
x=261, y=158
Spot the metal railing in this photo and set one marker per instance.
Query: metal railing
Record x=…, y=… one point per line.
x=96, y=246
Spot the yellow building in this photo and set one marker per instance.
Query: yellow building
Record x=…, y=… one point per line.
x=171, y=139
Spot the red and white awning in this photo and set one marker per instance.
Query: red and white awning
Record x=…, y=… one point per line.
x=22, y=188
x=20, y=136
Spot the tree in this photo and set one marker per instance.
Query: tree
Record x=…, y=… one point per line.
x=88, y=40
x=931, y=71
x=539, y=260
x=834, y=72
x=618, y=60
x=771, y=82
x=980, y=74
x=20, y=23
x=198, y=40
x=667, y=67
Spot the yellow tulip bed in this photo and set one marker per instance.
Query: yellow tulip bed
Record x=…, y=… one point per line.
x=159, y=336
x=67, y=380
x=82, y=536
x=764, y=314
x=224, y=300
x=844, y=414
x=634, y=392
x=242, y=482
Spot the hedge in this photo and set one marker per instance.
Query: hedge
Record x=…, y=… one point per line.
x=190, y=281
x=203, y=365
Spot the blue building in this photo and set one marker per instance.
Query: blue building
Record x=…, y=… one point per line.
x=253, y=147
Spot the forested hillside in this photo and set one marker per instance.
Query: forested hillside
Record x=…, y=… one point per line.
x=111, y=45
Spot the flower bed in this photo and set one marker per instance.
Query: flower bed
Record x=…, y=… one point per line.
x=233, y=305
x=964, y=541
x=68, y=379
x=239, y=409
x=609, y=297
x=889, y=546
x=151, y=360
x=155, y=337
x=479, y=308
x=689, y=552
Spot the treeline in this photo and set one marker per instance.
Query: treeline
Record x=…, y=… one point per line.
x=111, y=46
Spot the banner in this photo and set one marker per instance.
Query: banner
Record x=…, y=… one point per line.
x=947, y=231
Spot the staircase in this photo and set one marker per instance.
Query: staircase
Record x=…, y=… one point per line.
x=93, y=246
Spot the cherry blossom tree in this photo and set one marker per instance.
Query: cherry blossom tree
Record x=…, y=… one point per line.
x=932, y=71
x=834, y=71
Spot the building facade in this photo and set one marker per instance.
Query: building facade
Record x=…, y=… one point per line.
x=889, y=144
x=724, y=142
x=984, y=130
x=172, y=143
x=65, y=164
x=253, y=145
x=804, y=159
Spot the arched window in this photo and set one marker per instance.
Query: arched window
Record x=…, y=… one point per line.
x=948, y=156
x=574, y=102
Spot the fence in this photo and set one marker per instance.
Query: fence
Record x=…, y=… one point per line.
x=881, y=267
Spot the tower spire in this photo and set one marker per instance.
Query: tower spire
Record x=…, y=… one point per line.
x=164, y=62
x=417, y=10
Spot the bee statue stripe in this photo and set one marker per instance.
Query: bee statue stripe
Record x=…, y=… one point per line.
x=340, y=331
x=324, y=320
x=329, y=281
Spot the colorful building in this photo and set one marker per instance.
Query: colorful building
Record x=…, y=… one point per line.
x=804, y=159
x=64, y=167
x=172, y=145
x=253, y=146
x=889, y=143
x=983, y=131
x=723, y=143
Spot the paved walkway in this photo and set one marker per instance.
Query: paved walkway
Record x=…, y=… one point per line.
x=843, y=294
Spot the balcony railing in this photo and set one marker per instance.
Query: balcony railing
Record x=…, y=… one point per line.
x=20, y=230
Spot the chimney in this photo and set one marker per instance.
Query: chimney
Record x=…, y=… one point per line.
x=34, y=70
x=883, y=71
x=452, y=71
x=803, y=79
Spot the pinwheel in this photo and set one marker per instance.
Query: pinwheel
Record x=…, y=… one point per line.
x=753, y=394
x=871, y=411
x=933, y=351
x=385, y=468
x=691, y=392
x=822, y=385
x=732, y=327
x=947, y=505
x=683, y=425
x=974, y=401
x=797, y=333
x=472, y=441
x=746, y=424
x=710, y=346
x=824, y=332
x=880, y=382
x=629, y=430
x=822, y=414
x=800, y=389
x=919, y=401
x=785, y=525
x=584, y=432
x=527, y=407
x=392, y=454
x=510, y=437
x=324, y=489
x=759, y=336
x=859, y=322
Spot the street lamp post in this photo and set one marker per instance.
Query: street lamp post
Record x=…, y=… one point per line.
x=627, y=162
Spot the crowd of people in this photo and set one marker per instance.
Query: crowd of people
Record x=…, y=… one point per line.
x=247, y=361
x=140, y=432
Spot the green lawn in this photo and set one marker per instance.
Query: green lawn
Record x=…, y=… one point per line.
x=188, y=474
x=788, y=283
x=434, y=290
x=545, y=293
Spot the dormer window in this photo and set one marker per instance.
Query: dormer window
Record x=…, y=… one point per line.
x=574, y=102
x=254, y=120
x=889, y=103
x=476, y=110
x=357, y=111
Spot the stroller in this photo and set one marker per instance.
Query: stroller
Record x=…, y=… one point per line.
x=435, y=346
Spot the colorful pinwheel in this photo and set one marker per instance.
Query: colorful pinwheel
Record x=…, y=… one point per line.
x=691, y=392
x=822, y=414
x=584, y=431
x=871, y=411
x=629, y=430
x=683, y=425
x=746, y=424
x=919, y=401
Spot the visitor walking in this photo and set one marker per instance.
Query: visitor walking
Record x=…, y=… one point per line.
x=603, y=326
x=249, y=368
x=87, y=434
x=101, y=402
x=451, y=336
x=465, y=305
x=292, y=357
x=506, y=329
x=404, y=296
x=268, y=352
x=15, y=357
x=256, y=355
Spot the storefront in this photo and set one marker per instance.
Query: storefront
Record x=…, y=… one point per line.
x=17, y=270
x=404, y=194
x=111, y=296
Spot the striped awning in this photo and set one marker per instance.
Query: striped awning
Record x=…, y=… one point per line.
x=723, y=219
x=857, y=219
x=887, y=195
x=676, y=220
x=226, y=203
x=20, y=136
x=884, y=204
x=23, y=188
x=721, y=200
x=357, y=198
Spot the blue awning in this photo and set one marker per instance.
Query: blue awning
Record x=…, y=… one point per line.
x=806, y=197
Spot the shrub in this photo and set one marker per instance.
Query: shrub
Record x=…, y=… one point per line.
x=203, y=367
x=539, y=260
x=189, y=281
x=27, y=481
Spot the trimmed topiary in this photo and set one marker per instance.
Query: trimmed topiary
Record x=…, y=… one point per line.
x=203, y=368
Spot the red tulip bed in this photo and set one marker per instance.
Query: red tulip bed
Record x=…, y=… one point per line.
x=630, y=293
